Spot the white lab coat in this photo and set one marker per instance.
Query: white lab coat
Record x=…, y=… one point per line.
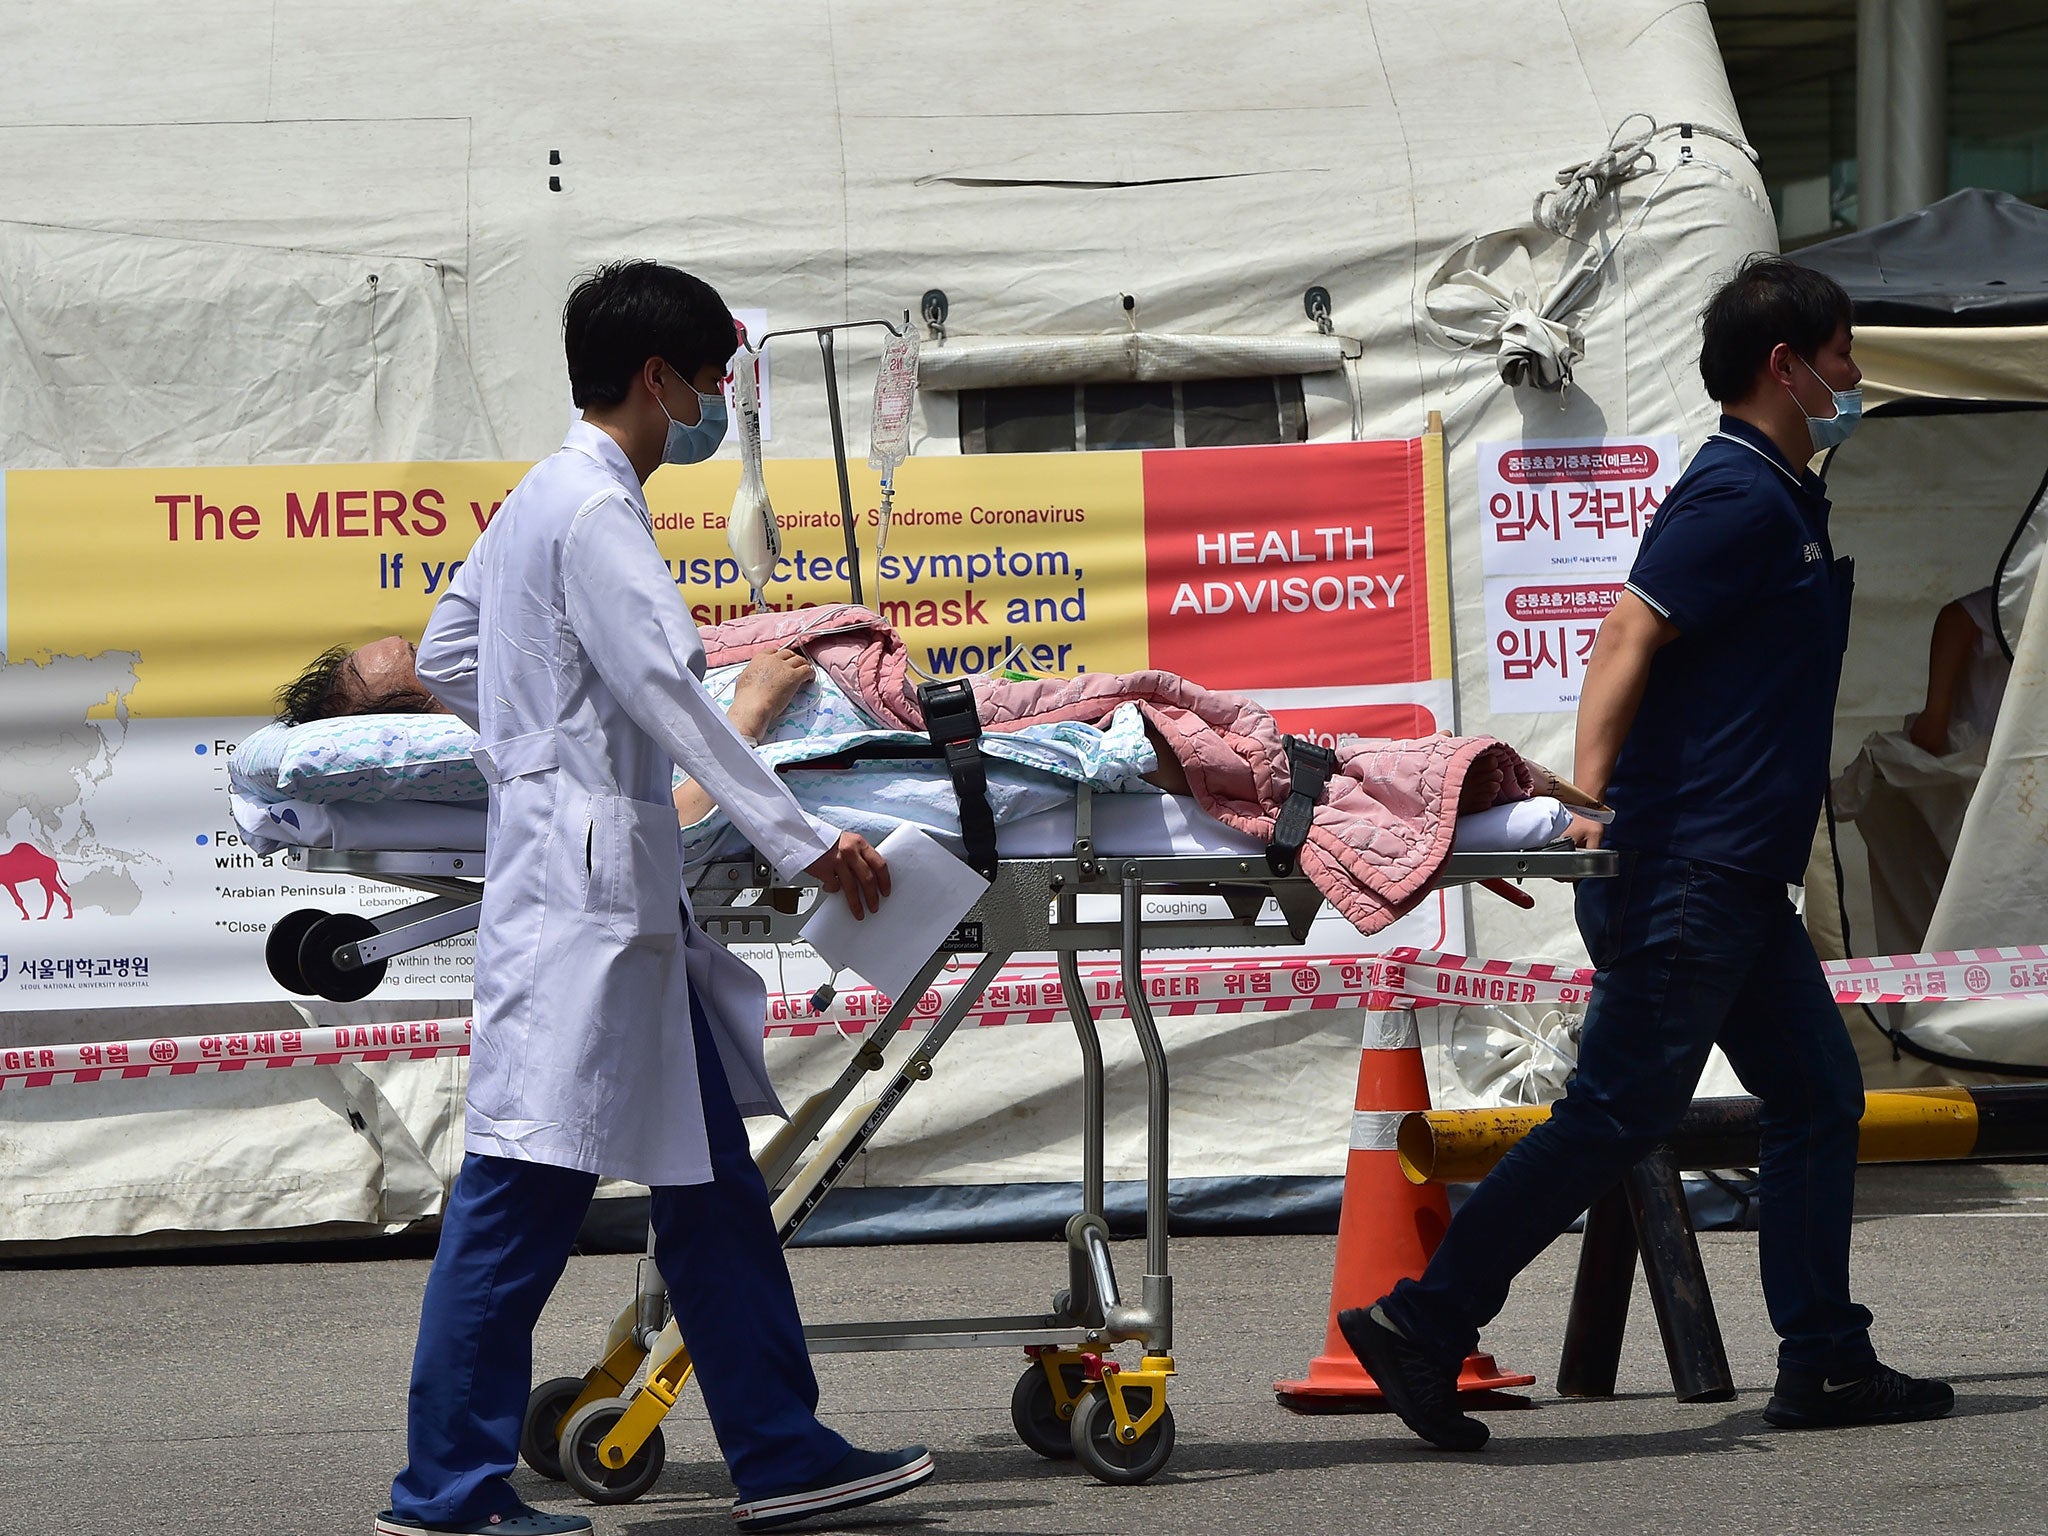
x=564, y=640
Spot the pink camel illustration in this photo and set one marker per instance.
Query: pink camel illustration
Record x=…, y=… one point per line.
x=24, y=864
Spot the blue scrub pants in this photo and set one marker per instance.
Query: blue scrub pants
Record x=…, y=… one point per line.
x=1686, y=955
x=505, y=1241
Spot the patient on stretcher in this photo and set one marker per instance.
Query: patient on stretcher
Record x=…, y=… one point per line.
x=379, y=678
x=816, y=734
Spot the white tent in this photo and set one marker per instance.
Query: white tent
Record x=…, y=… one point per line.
x=247, y=234
x=1943, y=493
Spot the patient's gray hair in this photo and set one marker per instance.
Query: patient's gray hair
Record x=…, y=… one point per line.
x=330, y=687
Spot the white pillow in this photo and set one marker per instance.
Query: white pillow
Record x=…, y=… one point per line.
x=359, y=758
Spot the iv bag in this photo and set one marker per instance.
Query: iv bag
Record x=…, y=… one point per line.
x=752, y=533
x=895, y=394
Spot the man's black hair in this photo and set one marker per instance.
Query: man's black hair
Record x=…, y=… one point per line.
x=622, y=314
x=330, y=688
x=1768, y=300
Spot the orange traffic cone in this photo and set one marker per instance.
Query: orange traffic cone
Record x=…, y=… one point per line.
x=1388, y=1227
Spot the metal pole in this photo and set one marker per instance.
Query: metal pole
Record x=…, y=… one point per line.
x=1090, y=1039
x=1598, y=1319
x=1158, y=1285
x=839, y=456
x=1678, y=1281
x=1917, y=134
x=1873, y=88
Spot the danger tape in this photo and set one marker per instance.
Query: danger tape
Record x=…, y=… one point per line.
x=39, y=1066
x=2011, y=972
x=1036, y=993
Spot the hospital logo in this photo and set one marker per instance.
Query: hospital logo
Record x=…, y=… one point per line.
x=163, y=1050
x=1307, y=980
x=4, y=963
x=1975, y=979
x=1812, y=552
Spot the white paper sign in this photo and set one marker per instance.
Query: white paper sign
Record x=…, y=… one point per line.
x=1574, y=508
x=1539, y=635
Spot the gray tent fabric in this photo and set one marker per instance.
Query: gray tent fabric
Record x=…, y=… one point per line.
x=1974, y=258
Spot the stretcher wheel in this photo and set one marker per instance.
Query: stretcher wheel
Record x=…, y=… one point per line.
x=281, y=949
x=316, y=958
x=540, y=1436
x=1037, y=1417
x=590, y=1477
x=1107, y=1459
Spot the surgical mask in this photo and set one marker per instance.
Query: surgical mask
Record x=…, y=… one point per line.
x=1832, y=431
x=693, y=445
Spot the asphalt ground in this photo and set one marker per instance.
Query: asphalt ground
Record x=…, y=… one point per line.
x=268, y=1395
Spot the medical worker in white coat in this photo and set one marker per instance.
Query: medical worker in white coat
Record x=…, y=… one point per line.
x=612, y=1036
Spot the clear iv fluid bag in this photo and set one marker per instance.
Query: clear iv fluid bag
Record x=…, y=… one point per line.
x=752, y=532
x=895, y=397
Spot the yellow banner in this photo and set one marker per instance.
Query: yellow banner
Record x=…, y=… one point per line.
x=226, y=581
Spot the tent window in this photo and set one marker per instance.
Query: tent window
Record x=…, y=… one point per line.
x=1198, y=413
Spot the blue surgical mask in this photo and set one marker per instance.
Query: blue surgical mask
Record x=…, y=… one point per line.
x=1832, y=431
x=693, y=445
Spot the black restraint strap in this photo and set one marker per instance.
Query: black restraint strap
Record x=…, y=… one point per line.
x=955, y=728
x=1308, y=773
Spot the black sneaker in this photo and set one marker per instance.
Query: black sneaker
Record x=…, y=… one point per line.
x=1876, y=1395
x=1422, y=1391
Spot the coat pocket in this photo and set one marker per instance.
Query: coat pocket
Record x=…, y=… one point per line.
x=635, y=856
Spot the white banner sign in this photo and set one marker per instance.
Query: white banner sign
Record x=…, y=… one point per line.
x=1574, y=509
x=1560, y=523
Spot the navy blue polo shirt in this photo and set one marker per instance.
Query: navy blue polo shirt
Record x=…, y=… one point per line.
x=1727, y=760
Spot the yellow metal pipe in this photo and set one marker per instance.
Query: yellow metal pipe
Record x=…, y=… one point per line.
x=1457, y=1146
x=1913, y=1125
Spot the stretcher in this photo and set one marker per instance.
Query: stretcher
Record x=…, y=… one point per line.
x=1074, y=1398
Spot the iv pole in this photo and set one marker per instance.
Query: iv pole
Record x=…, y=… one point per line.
x=824, y=335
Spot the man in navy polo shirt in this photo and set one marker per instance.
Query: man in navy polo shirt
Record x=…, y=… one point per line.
x=1705, y=722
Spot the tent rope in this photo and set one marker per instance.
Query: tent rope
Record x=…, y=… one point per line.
x=1582, y=186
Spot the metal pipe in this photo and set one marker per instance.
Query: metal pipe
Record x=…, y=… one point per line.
x=817, y=1179
x=760, y=343
x=1678, y=1281
x=650, y=1295
x=1095, y=1243
x=788, y=1145
x=1154, y=1052
x=839, y=458
x=1873, y=86
x=1093, y=1198
x=1591, y=1359
x=1906, y=1125
x=1916, y=137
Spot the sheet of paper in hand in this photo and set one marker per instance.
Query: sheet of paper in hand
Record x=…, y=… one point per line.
x=930, y=891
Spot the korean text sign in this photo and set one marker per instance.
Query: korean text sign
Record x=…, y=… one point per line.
x=1560, y=523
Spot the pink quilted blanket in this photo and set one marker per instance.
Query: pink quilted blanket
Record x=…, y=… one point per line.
x=1380, y=834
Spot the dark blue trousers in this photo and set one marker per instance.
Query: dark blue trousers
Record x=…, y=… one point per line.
x=1686, y=955
x=504, y=1243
